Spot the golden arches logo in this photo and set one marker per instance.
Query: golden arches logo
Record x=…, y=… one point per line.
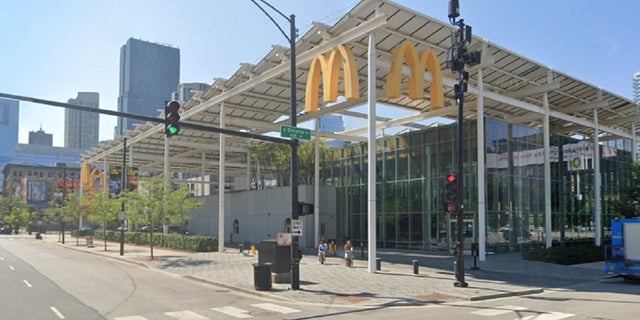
x=417, y=63
x=88, y=177
x=329, y=68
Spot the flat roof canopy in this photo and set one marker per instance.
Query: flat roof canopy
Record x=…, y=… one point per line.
x=256, y=97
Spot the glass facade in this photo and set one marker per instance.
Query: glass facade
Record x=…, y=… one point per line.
x=411, y=170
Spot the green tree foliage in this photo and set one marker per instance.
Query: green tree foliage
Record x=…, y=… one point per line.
x=273, y=161
x=15, y=212
x=628, y=203
x=155, y=204
x=103, y=210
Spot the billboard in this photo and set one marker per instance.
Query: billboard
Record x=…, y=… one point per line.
x=36, y=193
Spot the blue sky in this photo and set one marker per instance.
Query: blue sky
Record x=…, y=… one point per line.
x=53, y=49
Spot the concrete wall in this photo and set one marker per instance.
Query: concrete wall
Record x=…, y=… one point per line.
x=262, y=214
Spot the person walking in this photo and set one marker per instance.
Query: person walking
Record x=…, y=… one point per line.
x=348, y=254
x=322, y=251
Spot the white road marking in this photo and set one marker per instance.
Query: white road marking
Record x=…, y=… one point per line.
x=58, y=313
x=27, y=283
x=12, y=268
x=498, y=310
x=1, y=259
x=234, y=312
x=186, y=315
x=131, y=318
x=275, y=307
x=548, y=316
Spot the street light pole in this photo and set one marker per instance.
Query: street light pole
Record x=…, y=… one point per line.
x=295, y=257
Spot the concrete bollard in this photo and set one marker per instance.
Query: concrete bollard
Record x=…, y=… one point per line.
x=415, y=266
x=378, y=264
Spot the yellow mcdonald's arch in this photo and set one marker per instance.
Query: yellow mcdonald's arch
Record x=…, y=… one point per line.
x=88, y=177
x=329, y=67
x=417, y=63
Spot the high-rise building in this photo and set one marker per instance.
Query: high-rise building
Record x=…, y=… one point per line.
x=636, y=87
x=81, y=128
x=40, y=138
x=149, y=73
x=187, y=90
x=9, y=116
x=332, y=123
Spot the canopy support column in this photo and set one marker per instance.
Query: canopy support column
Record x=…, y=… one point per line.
x=482, y=226
x=371, y=153
x=221, y=184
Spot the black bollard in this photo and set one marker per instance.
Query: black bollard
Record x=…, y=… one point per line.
x=378, y=264
x=415, y=266
x=361, y=249
x=241, y=247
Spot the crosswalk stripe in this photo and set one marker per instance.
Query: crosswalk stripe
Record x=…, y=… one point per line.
x=131, y=318
x=275, y=307
x=497, y=310
x=186, y=315
x=233, y=311
x=548, y=316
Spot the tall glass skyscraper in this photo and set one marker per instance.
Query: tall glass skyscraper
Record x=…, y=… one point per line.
x=9, y=115
x=149, y=73
x=636, y=87
x=81, y=129
x=332, y=123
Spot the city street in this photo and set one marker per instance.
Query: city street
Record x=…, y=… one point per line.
x=49, y=281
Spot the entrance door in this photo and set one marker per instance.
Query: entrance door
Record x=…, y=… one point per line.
x=469, y=233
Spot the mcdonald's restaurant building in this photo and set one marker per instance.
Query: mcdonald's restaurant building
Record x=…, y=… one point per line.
x=411, y=170
x=535, y=165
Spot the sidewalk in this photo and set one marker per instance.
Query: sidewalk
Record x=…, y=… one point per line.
x=332, y=283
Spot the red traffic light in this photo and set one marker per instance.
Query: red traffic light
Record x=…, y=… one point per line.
x=451, y=178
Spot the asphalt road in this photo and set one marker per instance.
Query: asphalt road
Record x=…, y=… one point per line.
x=46, y=281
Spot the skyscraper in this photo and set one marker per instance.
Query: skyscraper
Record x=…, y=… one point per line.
x=40, y=138
x=81, y=128
x=332, y=123
x=9, y=115
x=636, y=87
x=186, y=91
x=149, y=73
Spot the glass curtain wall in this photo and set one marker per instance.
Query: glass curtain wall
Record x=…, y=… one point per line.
x=410, y=172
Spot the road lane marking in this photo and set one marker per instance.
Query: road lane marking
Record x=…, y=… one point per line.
x=186, y=315
x=491, y=312
x=12, y=268
x=131, y=318
x=275, y=307
x=548, y=316
x=58, y=313
x=27, y=283
x=234, y=312
x=1, y=259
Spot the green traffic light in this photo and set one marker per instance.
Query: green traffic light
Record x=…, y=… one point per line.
x=173, y=129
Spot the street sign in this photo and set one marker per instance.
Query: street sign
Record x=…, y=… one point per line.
x=295, y=133
x=284, y=239
x=296, y=228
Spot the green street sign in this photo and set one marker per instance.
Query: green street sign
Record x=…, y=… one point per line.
x=295, y=133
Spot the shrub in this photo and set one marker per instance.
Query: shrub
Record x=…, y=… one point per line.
x=164, y=240
x=565, y=255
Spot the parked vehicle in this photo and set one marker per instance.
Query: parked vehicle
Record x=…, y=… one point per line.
x=625, y=249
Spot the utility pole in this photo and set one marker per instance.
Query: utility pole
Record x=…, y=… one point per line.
x=458, y=57
x=295, y=214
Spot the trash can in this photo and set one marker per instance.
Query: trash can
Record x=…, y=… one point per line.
x=89, y=241
x=262, y=276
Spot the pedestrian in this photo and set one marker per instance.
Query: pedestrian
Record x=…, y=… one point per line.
x=348, y=254
x=322, y=251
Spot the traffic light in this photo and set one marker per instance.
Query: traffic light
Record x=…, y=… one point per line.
x=450, y=193
x=171, y=118
x=451, y=190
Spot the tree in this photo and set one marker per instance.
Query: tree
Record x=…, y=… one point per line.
x=104, y=210
x=275, y=159
x=155, y=203
x=628, y=203
x=15, y=212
